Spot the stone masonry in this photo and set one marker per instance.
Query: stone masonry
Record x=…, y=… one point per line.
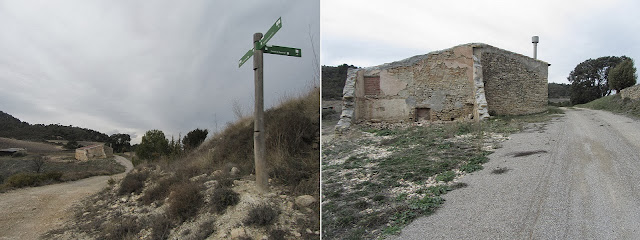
x=93, y=152
x=468, y=81
x=632, y=92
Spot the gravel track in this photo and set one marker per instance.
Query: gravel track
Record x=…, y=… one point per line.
x=28, y=213
x=583, y=183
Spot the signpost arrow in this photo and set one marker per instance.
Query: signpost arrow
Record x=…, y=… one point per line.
x=294, y=52
x=272, y=31
x=245, y=57
x=260, y=47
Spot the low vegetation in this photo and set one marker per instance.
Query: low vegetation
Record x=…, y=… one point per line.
x=37, y=170
x=208, y=190
x=380, y=177
x=616, y=104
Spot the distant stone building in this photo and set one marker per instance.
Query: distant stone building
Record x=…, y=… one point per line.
x=93, y=152
x=470, y=81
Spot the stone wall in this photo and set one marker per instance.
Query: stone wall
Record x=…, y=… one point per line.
x=514, y=84
x=468, y=81
x=632, y=92
x=91, y=152
x=441, y=82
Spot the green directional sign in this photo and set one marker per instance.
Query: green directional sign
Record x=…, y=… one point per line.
x=245, y=57
x=272, y=31
x=280, y=50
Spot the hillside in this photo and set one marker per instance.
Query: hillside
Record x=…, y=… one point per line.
x=210, y=193
x=11, y=127
x=333, y=79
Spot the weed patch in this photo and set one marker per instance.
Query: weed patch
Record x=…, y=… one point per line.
x=367, y=195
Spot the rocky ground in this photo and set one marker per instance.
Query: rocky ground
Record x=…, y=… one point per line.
x=111, y=215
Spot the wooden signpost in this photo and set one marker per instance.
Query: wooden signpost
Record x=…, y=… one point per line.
x=260, y=47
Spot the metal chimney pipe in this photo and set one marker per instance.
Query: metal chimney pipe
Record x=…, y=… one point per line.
x=535, y=41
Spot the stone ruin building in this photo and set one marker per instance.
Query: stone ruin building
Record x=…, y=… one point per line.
x=93, y=152
x=466, y=82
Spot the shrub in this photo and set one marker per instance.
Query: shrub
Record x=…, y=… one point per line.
x=121, y=228
x=133, y=183
x=222, y=198
x=205, y=229
x=160, y=226
x=184, y=201
x=261, y=215
x=19, y=180
x=158, y=192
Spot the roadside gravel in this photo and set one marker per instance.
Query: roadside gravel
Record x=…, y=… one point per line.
x=581, y=182
x=30, y=212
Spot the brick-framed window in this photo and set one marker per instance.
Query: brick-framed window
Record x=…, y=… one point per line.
x=372, y=85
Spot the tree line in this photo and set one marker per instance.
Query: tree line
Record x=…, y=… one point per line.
x=596, y=78
x=155, y=145
x=12, y=127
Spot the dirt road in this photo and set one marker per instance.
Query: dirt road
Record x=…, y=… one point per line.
x=583, y=183
x=31, y=212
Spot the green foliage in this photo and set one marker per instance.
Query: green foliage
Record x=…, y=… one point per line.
x=623, y=75
x=12, y=127
x=333, y=79
x=70, y=145
x=447, y=176
x=153, y=145
x=120, y=142
x=175, y=147
x=194, y=138
x=615, y=104
x=559, y=90
x=589, y=79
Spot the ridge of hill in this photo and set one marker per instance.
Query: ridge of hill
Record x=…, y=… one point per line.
x=12, y=127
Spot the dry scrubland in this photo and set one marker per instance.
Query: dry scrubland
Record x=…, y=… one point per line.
x=46, y=163
x=210, y=192
x=377, y=178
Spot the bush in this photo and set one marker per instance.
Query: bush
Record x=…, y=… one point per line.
x=222, y=198
x=159, y=191
x=133, y=183
x=160, y=226
x=184, y=201
x=121, y=228
x=19, y=180
x=261, y=215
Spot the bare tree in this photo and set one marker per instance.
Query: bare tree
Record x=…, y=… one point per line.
x=237, y=108
x=38, y=162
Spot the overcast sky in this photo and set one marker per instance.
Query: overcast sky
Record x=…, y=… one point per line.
x=373, y=32
x=130, y=66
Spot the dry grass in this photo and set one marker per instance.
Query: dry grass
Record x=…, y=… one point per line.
x=184, y=201
x=262, y=215
x=222, y=198
x=32, y=147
